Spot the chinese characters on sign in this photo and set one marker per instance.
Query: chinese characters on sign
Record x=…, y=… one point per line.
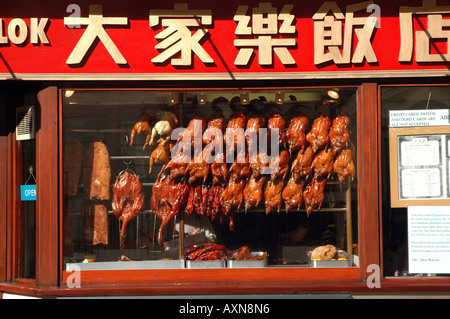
x=424, y=39
x=343, y=36
x=177, y=36
x=95, y=30
x=328, y=34
x=264, y=25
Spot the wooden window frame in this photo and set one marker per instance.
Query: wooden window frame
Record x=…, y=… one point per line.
x=243, y=280
x=51, y=278
x=405, y=283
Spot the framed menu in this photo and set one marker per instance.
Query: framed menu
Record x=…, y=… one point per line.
x=419, y=166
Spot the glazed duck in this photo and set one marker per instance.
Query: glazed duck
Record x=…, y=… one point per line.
x=168, y=198
x=293, y=193
x=128, y=200
x=296, y=132
x=318, y=136
x=340, y=132
x=277, y=123
x=343, y=165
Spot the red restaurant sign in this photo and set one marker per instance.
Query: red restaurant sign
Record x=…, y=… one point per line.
x=243, y=39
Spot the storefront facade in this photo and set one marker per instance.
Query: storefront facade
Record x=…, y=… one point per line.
x=315, y=159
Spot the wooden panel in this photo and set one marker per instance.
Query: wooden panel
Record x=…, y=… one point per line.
x=368, y=176
x=3, y=186
x=230, y=281
x=47, y=188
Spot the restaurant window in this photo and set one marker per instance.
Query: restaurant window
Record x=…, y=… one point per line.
x=183, y=179
x=415, y=152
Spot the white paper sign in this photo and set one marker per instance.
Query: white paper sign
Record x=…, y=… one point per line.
x=429, y=239
x=410, y=118
x=420, y=152
x=420, y=183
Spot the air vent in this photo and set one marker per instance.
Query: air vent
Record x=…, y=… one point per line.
x=25, y=123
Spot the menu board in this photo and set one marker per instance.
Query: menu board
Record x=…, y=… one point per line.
x=429, y=239
x=420, y=165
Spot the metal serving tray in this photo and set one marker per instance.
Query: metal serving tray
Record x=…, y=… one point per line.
x=193, y=264
x=126, y=265
x=248, y=263
x=329, y=263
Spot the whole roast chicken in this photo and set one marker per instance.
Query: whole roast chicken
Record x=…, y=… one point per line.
x=343, y=165
x=256, y=121
x=161, y=154
x=213, y=151
x=254, y=190
x=167, y=122
x=293, y=193
x=128, y=200
x=143, y=126
x=198, y=168
x=273, y=193
x=234, y=136
x=340, y=132
x=318, y=136
x=296, y=132
x=302, y=164
x=313, y=194
x=193, y=133
x=276, y=124
x=232, y=197
x=323, y=163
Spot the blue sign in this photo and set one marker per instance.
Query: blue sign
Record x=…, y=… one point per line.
x=28, y=192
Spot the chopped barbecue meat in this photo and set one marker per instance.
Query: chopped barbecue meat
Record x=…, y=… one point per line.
x=242, y=253
x=207, y=251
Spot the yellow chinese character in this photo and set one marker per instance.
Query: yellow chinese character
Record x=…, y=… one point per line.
x=328, y=34
x=264, y=25
x=177, y=36
x=435, y=30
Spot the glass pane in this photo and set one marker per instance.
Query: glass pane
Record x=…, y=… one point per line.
x=395, y=219
x=127, y=196
x=28, y=211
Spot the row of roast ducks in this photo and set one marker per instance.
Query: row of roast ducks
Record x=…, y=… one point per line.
x=308, y=156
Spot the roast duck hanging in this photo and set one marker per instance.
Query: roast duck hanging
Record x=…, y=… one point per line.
x=203, y=183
